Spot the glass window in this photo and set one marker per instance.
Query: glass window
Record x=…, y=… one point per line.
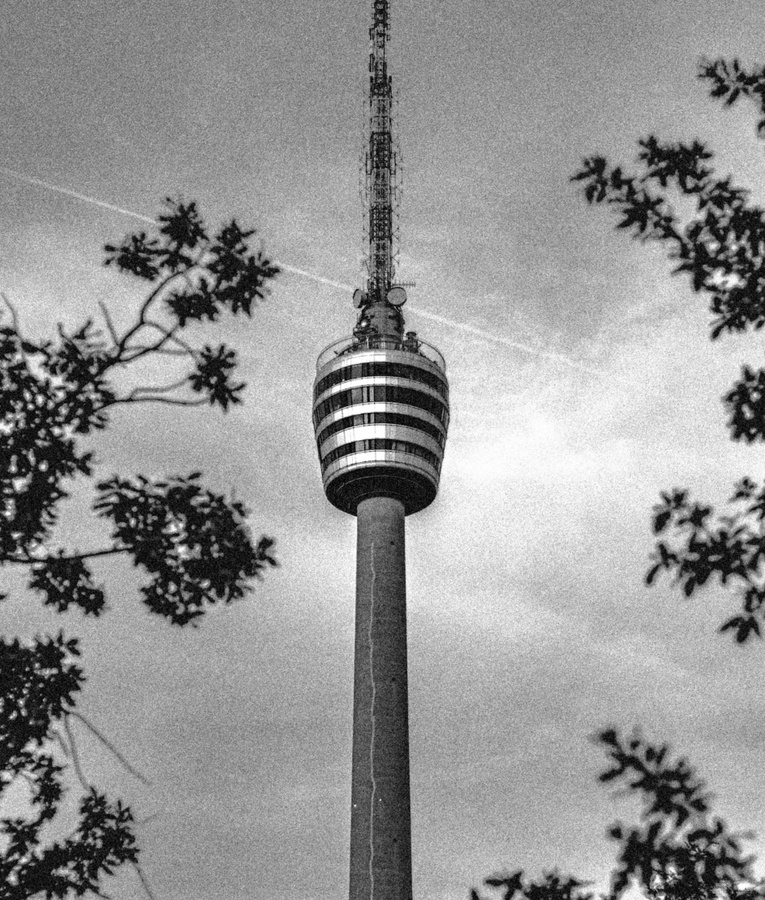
x=382, y=418
x=376, y=444
x=381, y=369
x=382, y=394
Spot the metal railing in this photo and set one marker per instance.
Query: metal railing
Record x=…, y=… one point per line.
x=380, y=342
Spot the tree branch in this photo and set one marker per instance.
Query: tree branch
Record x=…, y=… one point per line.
x=154, y=348
x=109, y=746
x=168, y=400
x=144, y=309
x=13, y=312
x=109, y=324
x=75, y=756
x=36, y=560
x=61, y=742
x=144, y=881
x=159, y=389
x=169, y=334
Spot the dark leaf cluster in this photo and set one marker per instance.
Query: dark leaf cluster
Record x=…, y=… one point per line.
x=551, y=886
x=213, y=376
x=102, y=841
x=721, y=248
x=228, y=275
x=37, y=683
x=670, y=790
x=78, y=364
x=699, y=546
x=67, y=581
x=746, y=406
x=676, y=851
x=41, y=411
x=195, y=544
x=38, y=687
x=730, y=82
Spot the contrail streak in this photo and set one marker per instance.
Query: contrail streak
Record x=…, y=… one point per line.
x=320, y=279
x=508, y=342
x=461, y=326
x=310, y=275
x=537, y=351
x=29, y=179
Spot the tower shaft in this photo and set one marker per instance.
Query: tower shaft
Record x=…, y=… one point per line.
x=381, y=865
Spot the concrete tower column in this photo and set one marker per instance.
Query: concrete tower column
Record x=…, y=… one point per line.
x=381, y=853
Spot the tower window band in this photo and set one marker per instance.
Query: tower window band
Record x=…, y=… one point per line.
x=382, y=418
x=382, y=444
x=375, y=393
x=395, y=370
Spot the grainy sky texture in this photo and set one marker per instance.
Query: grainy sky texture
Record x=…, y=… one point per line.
x=593, y=387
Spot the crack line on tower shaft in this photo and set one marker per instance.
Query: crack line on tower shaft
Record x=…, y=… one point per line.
x=372, y=730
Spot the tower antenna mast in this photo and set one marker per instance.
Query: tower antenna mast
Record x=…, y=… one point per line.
x=380, y=159
x=381, y=301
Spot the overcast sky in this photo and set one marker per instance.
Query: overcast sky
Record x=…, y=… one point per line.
x=592, y=387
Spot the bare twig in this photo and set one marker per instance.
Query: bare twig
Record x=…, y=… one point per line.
x=16, y=326
x=144, y=882
x=109, y=323
x=61, y=742
x=145, y=308
x=168, y=400
x=75, y=756
x=109, y=746
x=168, y=334
x=13, y=312
x=153, y=348
x=158, y=389
x=146, y=819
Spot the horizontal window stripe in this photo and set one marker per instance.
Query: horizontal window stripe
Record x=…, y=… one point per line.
x=381, y=418
x=377, y=369
x=381, y=393
x=382, y=444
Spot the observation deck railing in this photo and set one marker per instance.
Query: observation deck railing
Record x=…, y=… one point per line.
x=380, y=342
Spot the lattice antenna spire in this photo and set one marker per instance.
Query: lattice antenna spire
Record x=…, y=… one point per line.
x=381, y=300
x=380, y=162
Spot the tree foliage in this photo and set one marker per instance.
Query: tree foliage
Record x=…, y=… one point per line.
x=678, y=849
x=720, y=247
x=193, y=545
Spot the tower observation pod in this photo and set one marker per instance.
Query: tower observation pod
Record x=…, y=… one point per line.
x=380, y=415
x=381, y=411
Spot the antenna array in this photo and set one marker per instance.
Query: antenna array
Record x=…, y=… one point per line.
x=380, y=161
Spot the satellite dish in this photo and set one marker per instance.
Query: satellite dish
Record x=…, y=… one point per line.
x=396, y=296
x=358, y=298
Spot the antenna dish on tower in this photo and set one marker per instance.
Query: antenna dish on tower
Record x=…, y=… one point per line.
x=396, y=296
x=359, y=298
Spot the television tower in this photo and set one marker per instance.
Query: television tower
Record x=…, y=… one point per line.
x=380, y=413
